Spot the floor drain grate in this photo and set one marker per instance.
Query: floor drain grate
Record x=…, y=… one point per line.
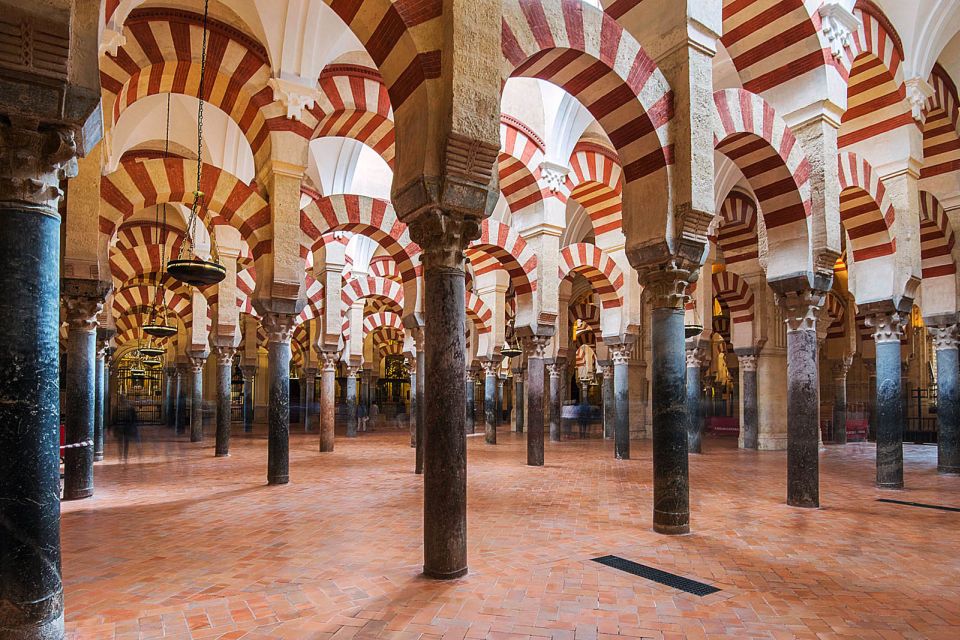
x=663, y=577
x=919, y=504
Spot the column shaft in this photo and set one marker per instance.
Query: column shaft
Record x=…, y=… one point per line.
x=421, y=407
x=535, y=376
x=556, y=372
x=889, y=416
x=351, y=403
x=671, y=483
x=81, y=367
x=224, y=380
x=328, y=411
x=609, y=405
x=621, y=409
x=170, y=397
x=749, y=423
x=694, y=409
x=182, y=400
x=470, y=410
x=803, y=412
x=840, y=410
x=948, y=411
x=278, y=420
x=518, y=400
x=98, y=404
x=490, y=404
x=248, y=374
x=196, y=404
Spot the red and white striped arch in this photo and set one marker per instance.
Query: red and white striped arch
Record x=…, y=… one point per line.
x=141, y=234
x=865, y=210
x=737, y=232
x=773, y=41
x=145, y=296
x=479, y=313
x=386, y=291
x=373, y=321
x=876, y=94
x=768, y=154
x=314, y=293
x=127, y=264
x=162, y=55
x=586, y=311
x=521, y=154
x=598, y=268
x=500, y=246
x=385, y=267
x=591, y=56
x=936, y=239
x=594, y=181
x=388, y=341
x=836, y=311
x=734, y=292
x=941, y=129
x=137, y=184
x=354, y=103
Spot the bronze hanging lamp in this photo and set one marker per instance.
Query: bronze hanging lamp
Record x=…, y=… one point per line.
x=190, y=268
x=693, y=328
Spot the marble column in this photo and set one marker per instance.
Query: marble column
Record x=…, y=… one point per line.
x=470, y=382
x=839, y=371
x=620, y=355
x=328, y=392
x=32, y=167
x=183, y=402
x=421, y=406
x=536, y=350
x=414, y=401
x=83, y=300
x=518, y=398
x=556, y=370
x=666, y=288
x=279, y=328
x=945, y=340
x=500, y=404
x=887, y=330
x=871, y=367
x=749, y=431
x=609, y=406
x=351, y=402
x=695, y=358
x=443, y=238
x=98, y=402
x=310, y=384
x=224, y=380
x=170, y=396
x=800, y=310
x=490, y=401
x=197, y=360
x=249, y=371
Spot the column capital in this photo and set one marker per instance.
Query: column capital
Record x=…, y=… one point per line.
x=83, y=301
x=470, y=375
x=870, y=365
x=748, y=362
x=668, y=285
x=536, y=346
x=328, y=360
x=490, y=367
x=620, y=353
x=841, y=367
x=696, y=357
x=944, y=337
x=886, y=324
x=443, y=236
x=225, y=355
x=249, y=370
x=801, y=308
x=32, y=165
x=555, y=369
x=353, y=370
x=197, y=360
x=279, y=326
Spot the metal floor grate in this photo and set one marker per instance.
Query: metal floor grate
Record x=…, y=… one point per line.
x=919, y=504
x=663, y=577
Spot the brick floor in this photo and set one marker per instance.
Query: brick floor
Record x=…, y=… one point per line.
x=179, y=544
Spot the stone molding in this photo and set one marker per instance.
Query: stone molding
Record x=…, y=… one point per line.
x=944, y=337
x=294, y=96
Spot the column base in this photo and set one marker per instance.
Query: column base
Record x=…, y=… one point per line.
x=948, y=471
x=78, y=495
x=98, y=458
x=450, y=575
x=890, y=485
x=50, y=630
x=221, y=455
x=671, y=529
x=803, y=504
x=278, y=480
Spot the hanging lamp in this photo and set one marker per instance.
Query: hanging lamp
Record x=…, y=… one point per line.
x=694, y=328
x=511, y=350
x=190, y=268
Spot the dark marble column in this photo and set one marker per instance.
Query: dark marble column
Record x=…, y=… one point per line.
x=31, y=593
x=414, y=401
x=183, y=396
x=352, y=401
x=886, y=324
x=695, y=358
x=800, y=309
x=279, y=328
x=500, y=404
x=421, y=406
x=620, y=355
x=98, y=402
x=609, y=406
x=197, y=360
x=309, y=408
x=871, y=367
x=948, y=399
x=170, y=396
x=224, y=379
x=490, y=401
x=328, y=393
x=518, y=398
x=443, y=239
x=249, y=371
x=536, y=347
x=839, y=370
x=556, y=371
x=83, y=300
x=749, y=426
x=470, y=382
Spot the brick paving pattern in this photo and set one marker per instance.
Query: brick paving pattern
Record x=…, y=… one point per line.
x=179, y=544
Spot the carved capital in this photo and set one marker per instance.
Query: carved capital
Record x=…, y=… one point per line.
x=668, y=285
x=490, y=368
x=443, y=236
x=944, y=337
x=697, y=357
x=555, y=369
x=249, y=371
x=887, y=326
x=553, y=175
x=536, y=346
x=33, y=163
x=470, y=375
x=918, y=92
x=196, y=362
x=748, y=363
x=294, y=96
x=225, y=355
x=82, y=311
x=279, y=326
x=353, y=370
x=841, y=367
x=620, y=353
x=801, y=308
x=838, y=23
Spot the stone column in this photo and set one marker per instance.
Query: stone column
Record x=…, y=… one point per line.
x=197, y=360
x=871, y=367
x=98, y=402
x=500, y=405
x=609, y=406
x=887, y=329
x=414, y=401
x=695, y=359
x=518, y=398
x=310, y=384
x=556, y=370
x=948, y=399
x=83, y=300
x=470, y=382
x=839, y=370
x=224, y=379
x=279, y=328
x=490, y=401
x=667, y=289
x=328, y=408
x=170, y=396
x=620, y=355
x=183, y=403
x=749, y=429
x=32, y=165
x=421, y=405
x=443, y=238
x=800, y=310
x=536, y=347
x=249, y=371
x=351, y=383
